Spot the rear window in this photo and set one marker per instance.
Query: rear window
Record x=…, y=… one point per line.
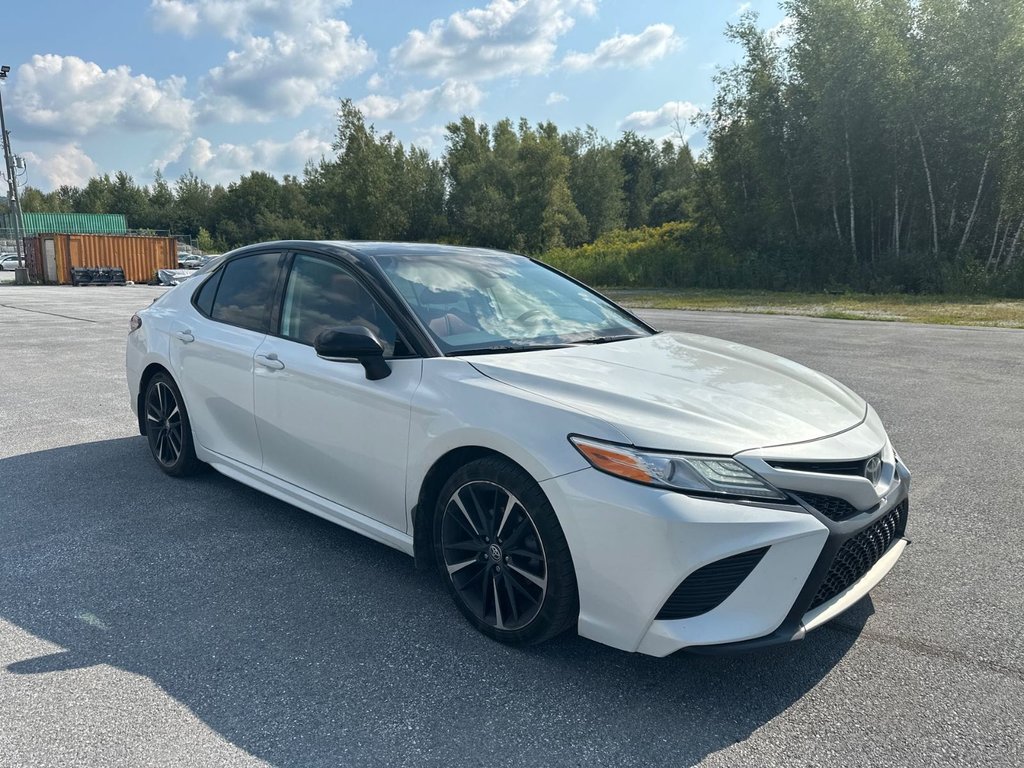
x=204, y=296
x=245, y=291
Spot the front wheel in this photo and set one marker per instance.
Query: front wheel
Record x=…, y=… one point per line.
x=168, y=428
x=503, y=555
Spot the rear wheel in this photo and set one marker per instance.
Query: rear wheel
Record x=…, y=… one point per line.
x=503, y=555
x=168, y=428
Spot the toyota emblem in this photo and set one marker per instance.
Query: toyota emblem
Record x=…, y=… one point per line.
x=873, y=469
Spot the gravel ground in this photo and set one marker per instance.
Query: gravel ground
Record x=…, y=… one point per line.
x=148, y=621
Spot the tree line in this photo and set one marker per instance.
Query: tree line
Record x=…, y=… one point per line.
x=882, y=144
x=872, y=144
x=513, y=186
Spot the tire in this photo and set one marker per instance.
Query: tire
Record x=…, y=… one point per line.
x=502, y=554
x=168, y=429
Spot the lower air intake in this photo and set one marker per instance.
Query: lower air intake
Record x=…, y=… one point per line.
x=831, y=507
x=860, y=553
x=707, y=587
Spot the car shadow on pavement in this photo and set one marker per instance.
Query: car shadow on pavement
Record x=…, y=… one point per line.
x=305, y=644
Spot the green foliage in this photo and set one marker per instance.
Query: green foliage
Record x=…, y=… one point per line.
x=514, y=186
x=192, y=202
x=881, y=148
x=373, y=189
x=205, y=242
x=638, y=156
x=673, y=255
x=596, y=180
x=877, y=146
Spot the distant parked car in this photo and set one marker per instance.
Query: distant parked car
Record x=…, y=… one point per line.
x=8, y=261
x=190, y=261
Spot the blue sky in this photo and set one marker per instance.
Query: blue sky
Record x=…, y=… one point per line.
x=228, y=86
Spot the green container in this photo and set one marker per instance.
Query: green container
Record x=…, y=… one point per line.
x=68, y=223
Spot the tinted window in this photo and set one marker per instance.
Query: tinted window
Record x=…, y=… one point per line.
x=245, y=291
x=205, y=294
x=321, y=295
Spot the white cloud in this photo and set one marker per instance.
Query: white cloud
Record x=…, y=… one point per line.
x=674, y=138
x=625, y=51
x=743, y=8
x=666, y=114
x=172, y=154
x=236, y=19
x=175, y=15
x=66, y=164
x=226, y=162
x=556, y=98
x=63, y=96
x=375, y=82
x=376, y=106
x=200, y=154
x=431, y=139
x=282, y=75
x=450, y=96
x=506, y=38
x=782, y=32
x=286, y=55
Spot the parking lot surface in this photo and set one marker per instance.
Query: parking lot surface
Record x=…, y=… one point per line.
x=152, y=621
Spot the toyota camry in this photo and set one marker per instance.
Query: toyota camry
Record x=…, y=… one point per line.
x=558, y=461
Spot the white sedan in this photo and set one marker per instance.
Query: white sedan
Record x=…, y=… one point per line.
x=8, y=261
x=558, y=461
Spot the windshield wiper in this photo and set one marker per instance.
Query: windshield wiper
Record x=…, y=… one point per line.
x=606, y=339
x=498, y=349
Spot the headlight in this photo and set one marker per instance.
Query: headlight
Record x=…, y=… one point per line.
x=701, y=474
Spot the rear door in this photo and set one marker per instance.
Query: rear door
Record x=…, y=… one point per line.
x=213, y=353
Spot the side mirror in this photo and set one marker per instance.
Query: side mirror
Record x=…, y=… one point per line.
x=353, y=342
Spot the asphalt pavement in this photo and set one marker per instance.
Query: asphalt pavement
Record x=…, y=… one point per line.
x=151, y=621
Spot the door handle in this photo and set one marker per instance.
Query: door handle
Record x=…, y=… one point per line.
x=185, y=336
x=270, y=361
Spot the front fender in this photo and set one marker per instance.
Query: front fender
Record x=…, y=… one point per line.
x=457, y=406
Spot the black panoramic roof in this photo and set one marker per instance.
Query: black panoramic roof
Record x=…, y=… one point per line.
x=371, y=249
x=376, y=248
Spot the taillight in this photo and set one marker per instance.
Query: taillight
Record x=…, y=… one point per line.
x=134, y=324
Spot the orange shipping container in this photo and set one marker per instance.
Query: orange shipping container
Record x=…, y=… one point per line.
x=51, y=257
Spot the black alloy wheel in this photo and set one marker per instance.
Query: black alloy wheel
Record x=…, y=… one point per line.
x=503, y=554
x=168, y=428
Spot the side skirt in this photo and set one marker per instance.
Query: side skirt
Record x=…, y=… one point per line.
x=309, y=502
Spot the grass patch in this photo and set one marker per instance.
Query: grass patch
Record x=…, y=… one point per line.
x=940, y=310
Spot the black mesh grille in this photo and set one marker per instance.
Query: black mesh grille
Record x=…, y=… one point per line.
x=855, y=468
x=831, y=507
x=707, y=587
x=860, y=553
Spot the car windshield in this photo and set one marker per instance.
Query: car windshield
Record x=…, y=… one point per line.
x=478, y=303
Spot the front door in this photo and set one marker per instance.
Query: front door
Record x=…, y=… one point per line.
x=323, y=425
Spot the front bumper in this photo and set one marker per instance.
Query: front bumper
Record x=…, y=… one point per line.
x=633, y=545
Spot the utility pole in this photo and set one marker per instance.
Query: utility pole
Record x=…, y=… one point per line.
x=21, y=272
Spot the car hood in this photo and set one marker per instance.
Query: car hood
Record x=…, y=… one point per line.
x=684, y=392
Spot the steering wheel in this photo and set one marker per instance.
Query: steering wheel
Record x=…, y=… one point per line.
x=533, y=316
